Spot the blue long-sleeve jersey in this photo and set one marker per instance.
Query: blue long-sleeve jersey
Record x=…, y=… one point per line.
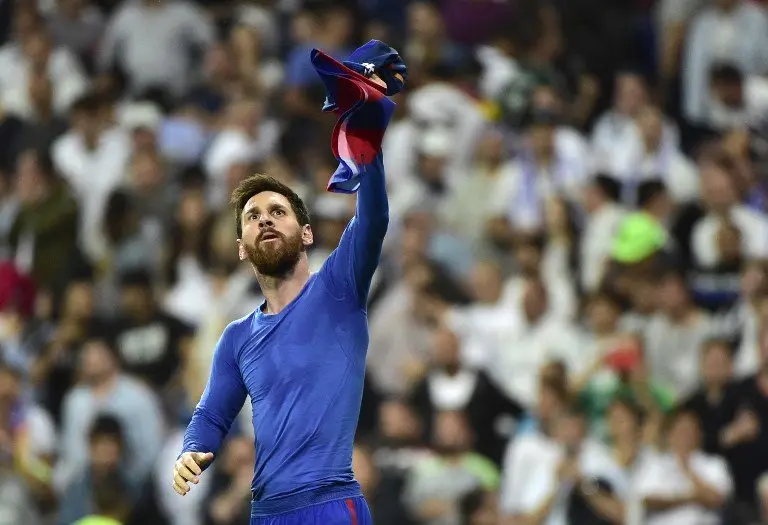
x=303, y=369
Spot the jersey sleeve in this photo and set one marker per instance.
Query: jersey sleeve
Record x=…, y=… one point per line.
x=350, y=267
x=221, y=401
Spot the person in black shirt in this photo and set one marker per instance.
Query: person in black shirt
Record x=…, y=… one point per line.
x=449, y=386
x=151, y=343
x=707, y=401
x=744, y=438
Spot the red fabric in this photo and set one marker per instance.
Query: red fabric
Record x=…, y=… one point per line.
x=17, y=290
x=352, y=511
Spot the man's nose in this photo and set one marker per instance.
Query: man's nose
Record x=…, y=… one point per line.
x=266, y=222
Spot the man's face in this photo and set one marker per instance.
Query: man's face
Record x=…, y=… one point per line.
x=570, y=430
x=136, y=301
x=730, y=94
x=272, y=238
x=630, y=93
x=105, y=453
x=685, y=434
x=717, y=365
x=96, y=361
x=718, y=189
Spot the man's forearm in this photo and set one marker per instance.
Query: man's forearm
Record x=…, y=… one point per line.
x=662, y=503
x=372, y=203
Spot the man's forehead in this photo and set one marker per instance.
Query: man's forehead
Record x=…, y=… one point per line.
x=264, y=199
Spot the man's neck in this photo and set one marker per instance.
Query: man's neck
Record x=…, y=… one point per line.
x=683, y=314
x=651, y=147
x=104, y=386
x=91, y=142
x=714, y=393
x=544, y=157
x=279, y=292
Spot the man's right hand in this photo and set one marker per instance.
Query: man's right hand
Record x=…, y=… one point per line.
x=188, y=468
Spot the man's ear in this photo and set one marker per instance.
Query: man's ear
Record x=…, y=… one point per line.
x=307, y=238
x=241, y=253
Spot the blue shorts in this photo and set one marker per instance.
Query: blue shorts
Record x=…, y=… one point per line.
x=349, y=511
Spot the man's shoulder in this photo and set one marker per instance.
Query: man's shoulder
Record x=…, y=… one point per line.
x=237, y=331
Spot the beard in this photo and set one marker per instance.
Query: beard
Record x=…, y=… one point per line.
x=277, y=258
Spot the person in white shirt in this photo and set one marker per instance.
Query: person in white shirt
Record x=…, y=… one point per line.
x=480, y=323
x=604, y=214
x=553, y=164
x=684, y=486
x=536, y=336
x=734, y=31
x=554, y=475
x=721, y=199
x=675, y=336
x=154, y=41
x=245, y=138
x=484, y=177
x=656, y=155
x=92, y=158
x=36, y=56
x=615, y=130
x=737, y=100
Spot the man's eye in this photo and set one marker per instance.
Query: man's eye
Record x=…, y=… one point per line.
x=279, y=212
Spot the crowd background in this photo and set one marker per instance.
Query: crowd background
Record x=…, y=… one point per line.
x=570, y=320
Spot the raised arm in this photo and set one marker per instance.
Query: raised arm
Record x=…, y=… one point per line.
x=219, y=405
x=350, y=267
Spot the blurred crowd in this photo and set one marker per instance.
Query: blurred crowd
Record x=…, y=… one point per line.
x=569, y=325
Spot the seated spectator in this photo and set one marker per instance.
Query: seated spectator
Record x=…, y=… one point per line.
x=656, y=155
x=737, y=100
x=111, y=504
x=707, y=401
x=562, y=476
x=107, y=456
x=620, y=370
x=44, y=234
x=396, y=451
x=106, y=389
x=683, y=485
x=151, y=344
x=450, y=386
x=743, y=439
x=678, y=319
x=628, y=439
x=31, y=435
x=438, y=483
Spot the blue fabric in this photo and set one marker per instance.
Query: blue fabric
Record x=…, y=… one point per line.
x=298, y=69
x=363, y=111
x=304, y=369
x=349, y=511
x=373, y=57
x=377, y=57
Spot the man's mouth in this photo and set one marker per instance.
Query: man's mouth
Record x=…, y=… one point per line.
x=269, y=236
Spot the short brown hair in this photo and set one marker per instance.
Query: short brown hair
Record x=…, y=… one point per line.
x=258, y=183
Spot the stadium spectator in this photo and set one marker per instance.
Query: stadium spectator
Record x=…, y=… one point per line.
x=578, y=224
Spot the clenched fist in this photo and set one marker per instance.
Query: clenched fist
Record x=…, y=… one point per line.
x=188, y=468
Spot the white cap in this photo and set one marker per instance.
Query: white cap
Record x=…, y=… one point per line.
x=436, y=142
x=141, y=115
x=333, y=207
